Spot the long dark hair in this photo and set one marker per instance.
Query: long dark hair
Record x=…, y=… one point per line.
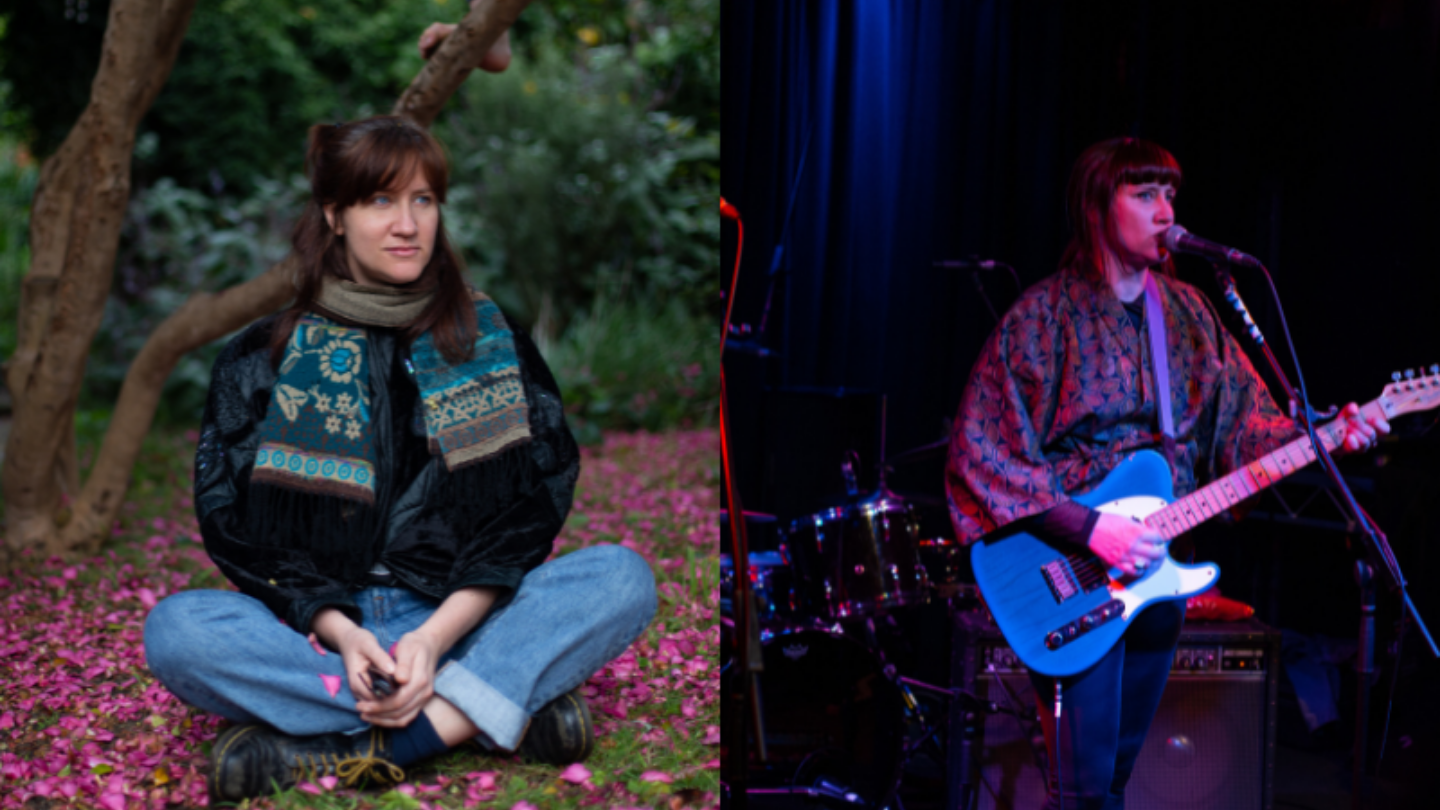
x=1098, y=171
x=347, y=164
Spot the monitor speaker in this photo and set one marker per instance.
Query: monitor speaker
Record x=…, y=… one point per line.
x=1212, y=743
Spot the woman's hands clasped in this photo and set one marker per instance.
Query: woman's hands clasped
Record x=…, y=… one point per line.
x=416, y=655
x=1126, y=544
x=360, y=651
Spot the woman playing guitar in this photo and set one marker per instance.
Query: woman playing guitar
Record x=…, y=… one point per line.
x=1063, y=392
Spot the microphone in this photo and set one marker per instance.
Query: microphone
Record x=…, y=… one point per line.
x=728, y=211
x=973, y=263
x=1179, y=240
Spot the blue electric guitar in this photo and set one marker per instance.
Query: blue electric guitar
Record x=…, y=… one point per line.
x=1060, y=608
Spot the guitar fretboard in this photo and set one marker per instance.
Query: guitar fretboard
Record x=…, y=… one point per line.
x=1210, y=500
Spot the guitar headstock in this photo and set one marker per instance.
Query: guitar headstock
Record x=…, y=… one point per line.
x=1411, y=392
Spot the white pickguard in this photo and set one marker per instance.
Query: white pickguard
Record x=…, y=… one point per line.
x=1167, y=580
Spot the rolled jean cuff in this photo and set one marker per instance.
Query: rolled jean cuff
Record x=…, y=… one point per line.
x=493, y=713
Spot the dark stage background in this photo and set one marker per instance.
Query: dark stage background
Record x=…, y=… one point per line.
x=1308, y=135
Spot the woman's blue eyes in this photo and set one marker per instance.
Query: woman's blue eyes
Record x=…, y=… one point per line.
x=382, y=199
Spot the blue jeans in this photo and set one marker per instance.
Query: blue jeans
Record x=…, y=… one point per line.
x=1106, y=711
x=226, y=653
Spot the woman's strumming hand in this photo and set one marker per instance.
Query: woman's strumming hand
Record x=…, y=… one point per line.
x=1126, y=544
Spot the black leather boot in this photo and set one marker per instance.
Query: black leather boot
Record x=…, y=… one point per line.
x=562, y=731
x=256, y=760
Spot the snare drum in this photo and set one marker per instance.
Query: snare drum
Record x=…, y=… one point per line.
x=859, y=559
x=771, y=579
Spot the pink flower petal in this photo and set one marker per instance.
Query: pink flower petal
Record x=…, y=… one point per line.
x=315, y=642
x=575, y=774
x=112, y=801
x=310, y=787
x=523, y=806
x=332, y=684
x=146, y=597
x=712, y=764
x=712, y=736
x=329, y=782
x=656, y=776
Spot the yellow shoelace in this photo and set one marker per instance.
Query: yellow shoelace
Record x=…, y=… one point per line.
x=352, y=769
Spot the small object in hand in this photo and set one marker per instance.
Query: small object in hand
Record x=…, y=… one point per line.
x=381, y=684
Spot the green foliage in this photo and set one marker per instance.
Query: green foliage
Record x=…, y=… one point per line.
x=675, y=43
x=254, y=75
x=48, y=54
x=176, y=242
x=602, y=198
x=636, y=364
x=18, y=174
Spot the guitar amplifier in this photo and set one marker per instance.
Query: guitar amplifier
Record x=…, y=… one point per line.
x=1212, y=743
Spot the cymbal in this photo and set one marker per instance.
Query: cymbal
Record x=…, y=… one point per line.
x=750, y=517
x=924, y=452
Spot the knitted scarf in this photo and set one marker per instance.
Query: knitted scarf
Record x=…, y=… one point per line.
x=317, y=436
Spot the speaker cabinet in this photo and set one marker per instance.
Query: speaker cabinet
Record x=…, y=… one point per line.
x=1212, y=743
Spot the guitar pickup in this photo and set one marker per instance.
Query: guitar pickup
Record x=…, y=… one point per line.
x=1061, y=636
x=1060, y=579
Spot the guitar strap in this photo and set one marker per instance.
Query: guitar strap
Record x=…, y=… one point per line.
x=1160, y=364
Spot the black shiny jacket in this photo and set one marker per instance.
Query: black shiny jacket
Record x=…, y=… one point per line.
x=432, y=545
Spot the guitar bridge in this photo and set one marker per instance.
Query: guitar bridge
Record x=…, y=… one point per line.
x=1072, y=575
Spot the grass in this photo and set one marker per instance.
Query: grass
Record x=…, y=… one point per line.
x=84, y=724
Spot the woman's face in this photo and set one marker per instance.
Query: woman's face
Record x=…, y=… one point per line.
x=390, y=237
x=1139, y=217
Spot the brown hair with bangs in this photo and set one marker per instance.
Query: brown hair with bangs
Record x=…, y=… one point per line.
x=1098, y=172
x=348, y=164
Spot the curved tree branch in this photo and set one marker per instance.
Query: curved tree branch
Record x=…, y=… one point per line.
x=456, y=57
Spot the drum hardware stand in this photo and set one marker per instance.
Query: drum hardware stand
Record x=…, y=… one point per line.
x=1377, y=546
x=745, y=699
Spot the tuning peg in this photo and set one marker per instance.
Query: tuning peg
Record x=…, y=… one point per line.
x=1395, y=375
x=1435, y=369
x=1409, y=373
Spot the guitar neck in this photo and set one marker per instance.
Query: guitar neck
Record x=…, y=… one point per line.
x=1210, y=500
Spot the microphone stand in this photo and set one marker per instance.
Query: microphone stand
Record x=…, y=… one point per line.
x=1378, y=546
x=745, y=694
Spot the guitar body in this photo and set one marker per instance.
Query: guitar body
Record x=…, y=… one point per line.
x=1059, y=608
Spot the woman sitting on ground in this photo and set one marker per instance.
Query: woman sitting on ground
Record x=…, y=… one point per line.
x=384, y=468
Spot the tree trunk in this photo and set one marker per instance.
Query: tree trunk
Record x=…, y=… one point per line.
x=206, y=317
x=74, y=230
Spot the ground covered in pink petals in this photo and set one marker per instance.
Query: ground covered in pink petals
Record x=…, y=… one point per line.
x=83, y=723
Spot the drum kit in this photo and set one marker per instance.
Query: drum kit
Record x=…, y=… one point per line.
x=840, y=720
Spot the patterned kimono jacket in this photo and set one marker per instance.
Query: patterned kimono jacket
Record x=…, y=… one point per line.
x=1063, y=391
